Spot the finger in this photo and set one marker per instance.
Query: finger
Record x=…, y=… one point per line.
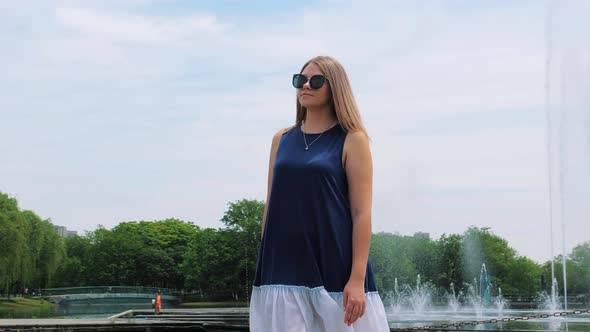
x=352, y=306
x=347, y=316
x=355, y=313
x=363, y=311
x=350, y=302
x=350, y=309
x=347, y=311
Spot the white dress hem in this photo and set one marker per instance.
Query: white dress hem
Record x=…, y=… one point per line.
x=303, y=309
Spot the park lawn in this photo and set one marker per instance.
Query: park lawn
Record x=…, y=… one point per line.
x=23, y=303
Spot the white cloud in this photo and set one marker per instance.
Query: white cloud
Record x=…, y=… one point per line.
x=126, y=28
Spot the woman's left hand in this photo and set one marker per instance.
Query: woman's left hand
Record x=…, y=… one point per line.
x=354, y=301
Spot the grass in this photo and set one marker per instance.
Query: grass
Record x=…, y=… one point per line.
x=228, y=304
x=23, y=303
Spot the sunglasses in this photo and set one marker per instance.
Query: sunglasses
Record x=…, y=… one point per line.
x=315, y=82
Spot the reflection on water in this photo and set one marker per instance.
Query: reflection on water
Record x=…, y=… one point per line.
x=85, y=310
x=400, y=319
x=407, y=319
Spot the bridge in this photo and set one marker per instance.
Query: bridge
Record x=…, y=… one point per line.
x=109, y=294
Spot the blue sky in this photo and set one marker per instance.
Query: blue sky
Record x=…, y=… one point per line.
x=140, y=110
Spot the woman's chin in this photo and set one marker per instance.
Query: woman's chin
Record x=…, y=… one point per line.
x=307, y=104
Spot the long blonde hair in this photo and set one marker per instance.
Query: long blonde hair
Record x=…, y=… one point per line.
x=343, y=101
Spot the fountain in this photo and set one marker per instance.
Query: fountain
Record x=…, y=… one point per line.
x=500, y=303
x=453, y=301
x=418, y=300
x=395, y=298
x=485, y=285
x=549, y=302
x=474, y=299
x=420, y=303
x=567, y=92
x=567, y=102
x=420, y=296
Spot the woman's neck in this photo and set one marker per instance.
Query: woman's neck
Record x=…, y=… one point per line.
x=318, y=120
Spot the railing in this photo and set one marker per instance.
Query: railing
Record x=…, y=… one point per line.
x=516, y=301
x=108, y=289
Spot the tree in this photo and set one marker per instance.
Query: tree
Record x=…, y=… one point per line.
x=77, y=267
x=212, y=266
x=12, y=244
x=391, y=260
x=516, y=275
x=149, y=253
x=243, y=220
x=30, y=249
x=449, y=261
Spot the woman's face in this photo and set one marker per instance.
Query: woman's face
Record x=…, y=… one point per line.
x=309, y=97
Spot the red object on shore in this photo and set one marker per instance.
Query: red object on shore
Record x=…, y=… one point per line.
x=158, y=303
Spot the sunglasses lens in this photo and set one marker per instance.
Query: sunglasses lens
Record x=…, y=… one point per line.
x=298, y=81
x=317, y=81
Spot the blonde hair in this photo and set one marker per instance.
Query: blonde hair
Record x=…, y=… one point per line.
x=343, y=101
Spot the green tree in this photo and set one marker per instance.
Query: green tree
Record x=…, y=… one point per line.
x=243, y=221
x=449, y=261
x=580, y=258
x=12, y=244
x=391, y=260
x=516, y=275
x=77, y=266
x=30, y=249
x=222, y=263
x=211, y=265
x=147, y=253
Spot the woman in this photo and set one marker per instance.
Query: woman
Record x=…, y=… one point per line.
x=313, y=271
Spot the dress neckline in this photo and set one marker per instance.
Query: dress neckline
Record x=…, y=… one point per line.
x=325, y=131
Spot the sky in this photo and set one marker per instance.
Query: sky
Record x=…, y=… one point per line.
x=114, y=111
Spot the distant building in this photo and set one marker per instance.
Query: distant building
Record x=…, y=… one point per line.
x=422, y=235
x=63, y=232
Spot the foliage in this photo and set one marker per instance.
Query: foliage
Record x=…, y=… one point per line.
x=30, y=249
x=220, y=264
x=578, y=270
x=452, y=259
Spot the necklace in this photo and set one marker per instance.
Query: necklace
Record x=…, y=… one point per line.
x=305, y=140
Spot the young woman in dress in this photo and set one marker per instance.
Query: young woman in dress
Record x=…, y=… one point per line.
x=313, y=267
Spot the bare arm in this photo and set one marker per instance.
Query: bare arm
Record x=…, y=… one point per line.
x=273, y=153
x=359, y=171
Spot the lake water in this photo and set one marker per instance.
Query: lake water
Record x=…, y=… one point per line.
x=572, y=323
x=579, y=322
x=86, y=310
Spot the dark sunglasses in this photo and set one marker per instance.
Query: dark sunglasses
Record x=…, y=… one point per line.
x=315, y=82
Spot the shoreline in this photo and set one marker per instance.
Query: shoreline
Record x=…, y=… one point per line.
x=21, y=304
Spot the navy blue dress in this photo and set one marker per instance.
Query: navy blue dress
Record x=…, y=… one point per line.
x=305, y=257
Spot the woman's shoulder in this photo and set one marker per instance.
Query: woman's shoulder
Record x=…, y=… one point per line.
x=284, y=130
x=277, y=136
x=355, y=140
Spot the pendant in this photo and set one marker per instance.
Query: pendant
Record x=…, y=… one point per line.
x=307, y=147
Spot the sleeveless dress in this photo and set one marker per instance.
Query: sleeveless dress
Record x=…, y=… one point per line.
x=305, y=256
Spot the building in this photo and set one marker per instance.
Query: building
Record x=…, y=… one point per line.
x=63, y=232
x=422, y=235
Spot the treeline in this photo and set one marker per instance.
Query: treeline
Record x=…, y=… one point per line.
x=219, y=264
x=457, y=259
x=30, y=249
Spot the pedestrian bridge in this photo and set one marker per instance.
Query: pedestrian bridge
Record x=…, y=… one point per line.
x=109, y=294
